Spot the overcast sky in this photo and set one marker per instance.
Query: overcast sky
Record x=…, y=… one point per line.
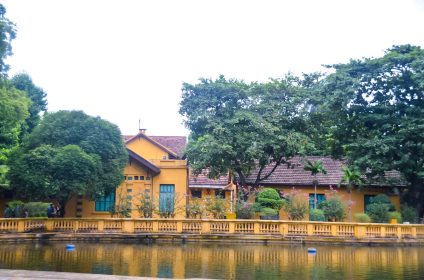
x=126, y=60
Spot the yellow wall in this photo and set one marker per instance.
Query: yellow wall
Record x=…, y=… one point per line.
x=357, y=196
x=146, y=149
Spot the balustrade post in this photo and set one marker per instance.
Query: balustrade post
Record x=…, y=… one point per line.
x=206, y=227
x=383, y=231
x=76, y=225
x=399, y=232
x=128, y=226
x=21, y=225
x=284, y=229
x=179, y=226
x=414, y=231
x=231, y=227
x=310, y=229
x=256, y=228
x=101, y=225
x=49, y=224
x=155, y=226
x=360, y=231
x=333, y=230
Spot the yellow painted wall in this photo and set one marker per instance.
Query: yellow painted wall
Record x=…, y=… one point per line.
x=357, y=196
x=146, y=149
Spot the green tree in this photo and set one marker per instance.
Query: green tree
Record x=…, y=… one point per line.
x=13, y=112
x=242, y=127
x=315, y=167
x=376, y=108
x=352, y=179
x=7, y=34
x=24, y=83
x=68, y=153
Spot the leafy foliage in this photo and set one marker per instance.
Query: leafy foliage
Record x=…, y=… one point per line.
x=14, y=106
x=409, y=214
x=23, y=82
x=269, y=198
x=7, y=34
x=296, y=205
x=378, y=212
x=317, y=215
x=362, y=218
x=68, y=153
x=373, y=110
x=333, y=207
x=241, y=127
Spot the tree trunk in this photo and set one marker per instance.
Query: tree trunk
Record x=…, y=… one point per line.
x=315, y=192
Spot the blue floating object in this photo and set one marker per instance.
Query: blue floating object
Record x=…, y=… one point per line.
x=312, y=250
x=70, y=246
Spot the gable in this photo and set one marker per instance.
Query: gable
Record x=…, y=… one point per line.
x=148, y=148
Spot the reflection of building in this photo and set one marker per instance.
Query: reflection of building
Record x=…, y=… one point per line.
x=219, y=261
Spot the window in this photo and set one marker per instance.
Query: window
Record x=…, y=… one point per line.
x=141, y=178
x=105, y=203
x=129, y=190
x=166, y=198
x=147, y=178
x=125, y=178
x=196, y=193
x=367, y=200
x=129, y=178
x=320, y=198
x=135, y=178
x=220, y=194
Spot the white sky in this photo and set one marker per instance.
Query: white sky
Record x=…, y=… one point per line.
x=126, y=60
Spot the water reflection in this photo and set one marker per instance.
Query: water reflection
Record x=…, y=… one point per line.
x=220, y=261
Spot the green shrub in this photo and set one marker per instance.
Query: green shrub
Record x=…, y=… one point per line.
x=296, y=205
x=378, y=212
x=316, y=215
x=383, y=199
x=36, y=209
x=269, y=198
x=362, y=218
x=395, y=215
x=409, y=214
x=269, y=212
x=333, y=208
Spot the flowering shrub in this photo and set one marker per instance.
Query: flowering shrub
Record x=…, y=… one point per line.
x=244, y=209
x=296, y=205
x=333, y=206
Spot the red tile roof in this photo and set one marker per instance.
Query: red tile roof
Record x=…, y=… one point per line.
x=176, y=144
x=296, y=175
x=202, y=179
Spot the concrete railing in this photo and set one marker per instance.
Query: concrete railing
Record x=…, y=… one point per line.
x=213, y=226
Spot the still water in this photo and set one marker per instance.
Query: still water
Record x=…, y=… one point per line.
x=219, y=261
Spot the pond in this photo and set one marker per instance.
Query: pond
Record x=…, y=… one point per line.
x=219, y=260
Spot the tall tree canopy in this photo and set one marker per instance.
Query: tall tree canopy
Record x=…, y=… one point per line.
x=24, y=83
x=7, y=34
x=242, y=127
x=375, y=108
x=68, y=153
x=14, y=106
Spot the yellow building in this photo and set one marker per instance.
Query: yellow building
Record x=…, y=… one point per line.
x=155, y=172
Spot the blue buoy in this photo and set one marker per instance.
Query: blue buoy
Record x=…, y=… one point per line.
x=70, y=246
x=312, y=250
